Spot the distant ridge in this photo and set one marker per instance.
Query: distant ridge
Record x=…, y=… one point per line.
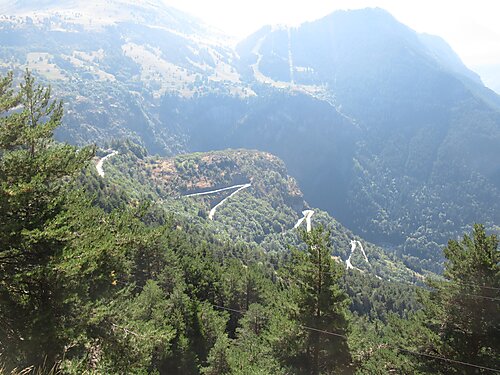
x=384, y=128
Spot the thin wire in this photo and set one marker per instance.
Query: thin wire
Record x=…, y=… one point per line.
x=325, y=332
x=228, y=308
x=388, y=345
x=478, y=296
x=302, y=326
x=474, y=285
x=449, y=360
x=413, y=285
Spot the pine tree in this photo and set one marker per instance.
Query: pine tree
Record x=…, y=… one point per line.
x=34, y=176
x=464, y=308
x=322, y=305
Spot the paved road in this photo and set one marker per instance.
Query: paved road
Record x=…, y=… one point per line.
x=307, y=217
x=354, y=246
x=215, y=191
x=99, y=164
x=212, y=211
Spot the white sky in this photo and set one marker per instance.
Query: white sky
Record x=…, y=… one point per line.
x=471, y=27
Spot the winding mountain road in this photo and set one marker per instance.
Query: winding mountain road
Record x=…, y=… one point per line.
x=215, y=191
x=354, y=246
x=100, y=163
x=315, y=91
x=307, y=217
x=212, y=211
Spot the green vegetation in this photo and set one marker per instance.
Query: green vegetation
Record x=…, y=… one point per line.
x=392, y=135
x=96, y=280
x=33, y=201
x=458, y=322
x=321, y=304
x=385, y=129
x=262, y=215
x=468, y=324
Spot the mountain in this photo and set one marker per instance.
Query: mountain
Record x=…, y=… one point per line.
x=112, y=61
x=257, y=203
x=383, y=128
x=491, y=75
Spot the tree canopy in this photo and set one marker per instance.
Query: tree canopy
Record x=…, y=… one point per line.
x=92, y=281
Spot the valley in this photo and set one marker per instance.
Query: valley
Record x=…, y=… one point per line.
x=389, y=144
x=261, y=208
x=322, y=198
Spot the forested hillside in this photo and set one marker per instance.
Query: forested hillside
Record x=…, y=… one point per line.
x=383, y=128
x=262, y=214
x=112, y=61
x=98, y=278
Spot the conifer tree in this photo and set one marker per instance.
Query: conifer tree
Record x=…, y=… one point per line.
x=464, y=308
x=34, y=172
x=322, y=305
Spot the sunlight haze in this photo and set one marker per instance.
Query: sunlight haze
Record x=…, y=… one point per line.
x=470, y=27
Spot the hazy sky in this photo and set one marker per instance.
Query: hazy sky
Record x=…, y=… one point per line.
x=471, y=27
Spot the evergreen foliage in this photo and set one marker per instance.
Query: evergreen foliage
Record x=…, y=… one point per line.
x=321, y=305
x=33, y=181
x=93, y=280
x=464, y=308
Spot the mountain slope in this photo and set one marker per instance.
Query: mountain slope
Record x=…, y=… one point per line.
x=263, y=214
x=421, y=167
x=111, y=62
x=383, y=128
